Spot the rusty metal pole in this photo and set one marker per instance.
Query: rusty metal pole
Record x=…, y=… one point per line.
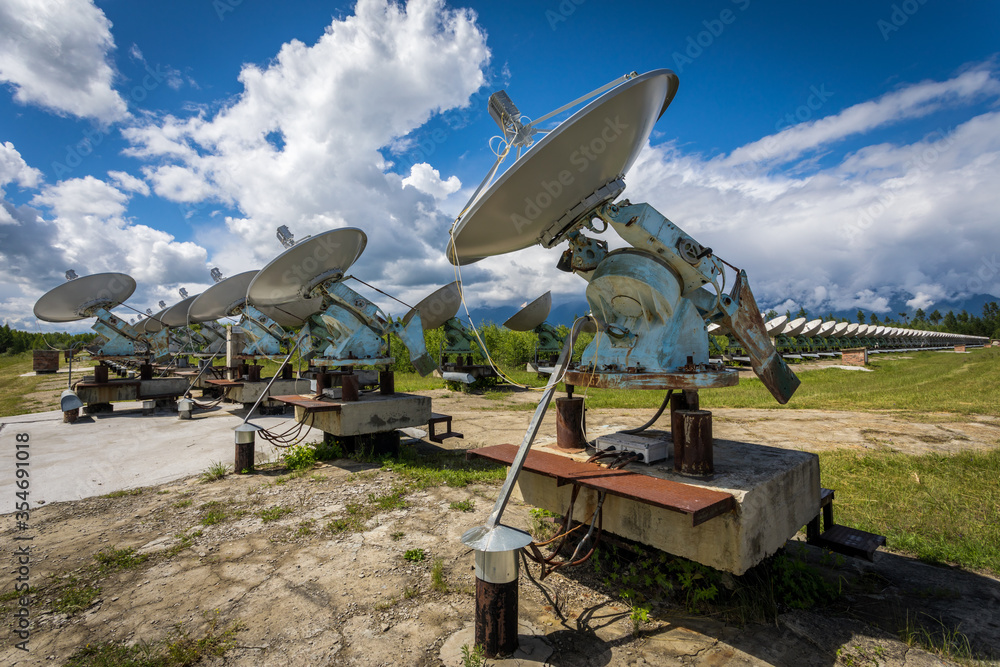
x=245, y=438
x=570, y=424
x=286, y=372
x=101, y=373
x=146, y=372
x=692, y=435
x=349, y=388
x=496, y=601
x=386, y=383
x=253, y=373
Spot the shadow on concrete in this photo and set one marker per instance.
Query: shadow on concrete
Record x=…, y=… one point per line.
x=886, y=611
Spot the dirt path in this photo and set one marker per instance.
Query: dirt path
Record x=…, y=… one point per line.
x=300, y=593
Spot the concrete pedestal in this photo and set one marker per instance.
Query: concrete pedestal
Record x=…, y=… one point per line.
x=777, y=492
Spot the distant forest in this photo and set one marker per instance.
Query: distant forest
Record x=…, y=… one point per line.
x=968, y=325
x=13, y=341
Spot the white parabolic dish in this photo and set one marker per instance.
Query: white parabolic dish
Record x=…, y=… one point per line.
x=594, y=147
x=437, y=307
x=215, y=302
x=69, y=301
x=531, y=315
x=289, y=276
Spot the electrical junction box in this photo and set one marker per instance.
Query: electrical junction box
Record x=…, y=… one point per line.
x=653, y=446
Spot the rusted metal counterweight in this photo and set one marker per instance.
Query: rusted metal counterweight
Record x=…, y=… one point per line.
x=691, y=430
x=570, y=424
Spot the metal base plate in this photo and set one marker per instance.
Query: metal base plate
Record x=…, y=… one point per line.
x=625, y=380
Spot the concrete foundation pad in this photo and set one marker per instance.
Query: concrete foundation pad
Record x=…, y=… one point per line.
x=129, y=390
x=372, y=413
x=249, y=392
x=776, y=491
x=532, y=648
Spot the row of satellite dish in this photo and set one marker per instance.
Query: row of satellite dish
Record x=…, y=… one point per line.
x=298, y=299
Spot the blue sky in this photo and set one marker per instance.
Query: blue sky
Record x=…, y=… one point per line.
x=846, y=154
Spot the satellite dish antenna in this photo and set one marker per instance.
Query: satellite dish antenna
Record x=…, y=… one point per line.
x=826, y=329
x=795, y=327
x=286, y=237
x=811, y=328
x=81, y=298
x=297, y=272
x=504, y=219
x=840, y=330
x=293, y=314
x=775, y=326
x=177, y=314
x=222, y=299
x=153, y=323
x=438, y=307
x=531, y=315
x=852, y=330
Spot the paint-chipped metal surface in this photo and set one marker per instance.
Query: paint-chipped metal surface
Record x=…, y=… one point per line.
x=705, y=379
x=700, y=503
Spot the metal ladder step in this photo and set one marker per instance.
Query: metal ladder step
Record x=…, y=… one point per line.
x=841, y=539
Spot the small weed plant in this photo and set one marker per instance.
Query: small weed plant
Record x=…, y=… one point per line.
x=473, y=657
x=299, y=457
x=463, y=505
x=414, y=555
x=438, y=582
x=215, y=471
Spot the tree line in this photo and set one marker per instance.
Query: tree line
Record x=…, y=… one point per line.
x=13, y=341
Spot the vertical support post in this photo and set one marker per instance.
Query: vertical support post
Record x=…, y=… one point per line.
x=286, y=372
x=692, y=435
x=570, y=424
x=253, y=373
x=245, y=440
x=100, y=373
x=496, y=601
x=386, y=383
x=145, y=371
x=349, y=388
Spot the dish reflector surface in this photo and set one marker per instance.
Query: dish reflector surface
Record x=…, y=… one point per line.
x=594, y=147
x=287, y=277
x=531, y=315
x=437, y=308
x=66, y=302
x=214, y=302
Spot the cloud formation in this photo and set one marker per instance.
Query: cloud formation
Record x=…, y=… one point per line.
x=55, y=55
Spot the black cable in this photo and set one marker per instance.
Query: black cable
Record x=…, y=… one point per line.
x=663, y=406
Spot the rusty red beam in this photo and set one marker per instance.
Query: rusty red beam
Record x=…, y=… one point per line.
x=225, y=383
x=700, y=503
x=308, y=404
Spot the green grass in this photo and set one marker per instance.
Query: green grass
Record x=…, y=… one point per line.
x=444, y=469
x=75, y=597
x=124, y=492
x=178, y=650
x=940, y=508
x=925, y=382
x=414, y=555
x=438, y=582
x=119, y=559
x=215, y=471
x=274, y=513
x=463, y=505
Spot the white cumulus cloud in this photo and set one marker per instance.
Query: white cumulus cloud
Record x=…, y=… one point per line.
x=428, y=180
x=55, y=55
